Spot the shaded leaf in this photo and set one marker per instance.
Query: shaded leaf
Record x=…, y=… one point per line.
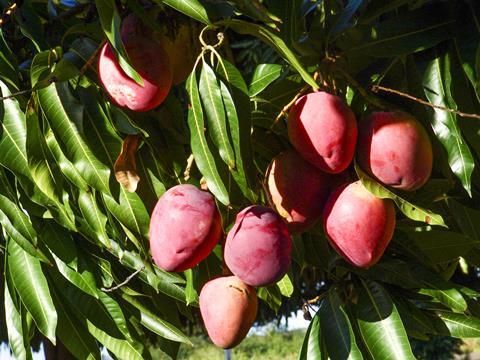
x=380, y=324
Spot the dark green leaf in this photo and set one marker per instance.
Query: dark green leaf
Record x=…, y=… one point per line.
x=380, y=324
x=312, y=347
x=336, y=328
x=243, y=27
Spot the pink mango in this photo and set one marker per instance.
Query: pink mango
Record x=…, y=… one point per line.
x=184, y=228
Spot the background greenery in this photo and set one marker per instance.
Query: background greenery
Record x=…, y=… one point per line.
x=70, y=233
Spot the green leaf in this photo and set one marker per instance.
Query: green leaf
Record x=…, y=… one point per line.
x=440, y=289
x=380, y=324
x=8, y=64
x=264, y=75
x=405, y=33
x=254, y=9
x=442, y=246
x=245, y=28
x=416, y=321
x=460, y=325
x=110, y=21
x=436, y=83
x=32, y=287
x=203, y=156
x=94, y=216
x=17, y=340
x=67, y=168
x=468, y=219
x=62, y=248
x=216, y=119
x=343, y=20
x=410, y=210
x=191, y=295
x=286, y=286
x=271, y=295
x=42, y=166
x=65, y=116
x=116, y=313
x=312, y=347
x=336, y=328
x=130, y=211
x=12, y=143
x=155, y=324
x=73, y=334
x=18, y=226
x=192, y=8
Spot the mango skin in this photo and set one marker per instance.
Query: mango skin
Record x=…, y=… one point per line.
x=228, y=307
x=258, y=246
x=298, y=189
x=358, y=225
x=184, y=228
x=323, y=129
x=150, y=60
x=394, y=148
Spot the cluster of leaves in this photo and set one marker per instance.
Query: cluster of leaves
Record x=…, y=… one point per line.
x=71, y=233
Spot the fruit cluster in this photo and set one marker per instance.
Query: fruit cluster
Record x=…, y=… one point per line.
x=304, y=185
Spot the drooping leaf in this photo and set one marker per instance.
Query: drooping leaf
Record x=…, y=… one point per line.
x=436, y=82
x=312, y=347
x=380, y=324
x=65, y=116
x=345, y=17
x=32, y=287
x=337, y=329
x=110, y=21
x=17, y=340
x=203, y=156
x=214, y=109
x=12, y=142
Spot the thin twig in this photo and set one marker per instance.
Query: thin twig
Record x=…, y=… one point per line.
x=377, y=88
x=91, y=59
x=130, y=277
x=18, y=93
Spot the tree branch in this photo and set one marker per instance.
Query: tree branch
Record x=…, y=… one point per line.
x=377, y=88
x=126, y=281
